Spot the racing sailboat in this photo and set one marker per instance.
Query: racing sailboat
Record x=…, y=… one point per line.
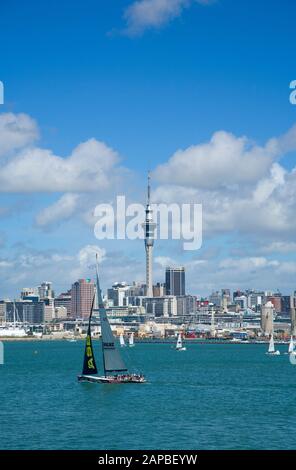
x=121, y=340
x=131, y=342
x=291, y=346
x=271, y=349
x=115, y=371
x=179, y=345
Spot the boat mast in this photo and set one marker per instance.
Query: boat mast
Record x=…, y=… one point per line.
x=100, y=305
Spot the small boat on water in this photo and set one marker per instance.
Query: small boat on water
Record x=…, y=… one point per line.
x=271, y=349
x=291, y=346
x=179, y=345
x=131, y=342
x=121, y=340
x=115, y=371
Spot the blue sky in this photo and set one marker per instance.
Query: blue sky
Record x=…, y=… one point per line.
x=148, y=84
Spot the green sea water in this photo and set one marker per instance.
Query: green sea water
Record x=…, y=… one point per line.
x=212, y=396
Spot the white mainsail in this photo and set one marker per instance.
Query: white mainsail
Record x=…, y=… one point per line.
x=179, y=342
x=291, y=345
x=271, y=345
x=131, y=340
x=111, y=357
x=121, y=340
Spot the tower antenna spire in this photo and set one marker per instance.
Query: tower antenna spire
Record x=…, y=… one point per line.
x=148, y=188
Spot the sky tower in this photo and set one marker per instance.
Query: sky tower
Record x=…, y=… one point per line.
x=149, y=226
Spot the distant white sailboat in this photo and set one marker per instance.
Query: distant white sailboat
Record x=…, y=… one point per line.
x=291, y=346
x=271, y=349
x=179, y=345
x=121, y=340
x=131, y=340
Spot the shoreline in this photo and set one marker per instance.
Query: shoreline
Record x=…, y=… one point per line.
x=145, y=341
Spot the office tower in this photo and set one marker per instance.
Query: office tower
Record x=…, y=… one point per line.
x=45, y=290
x=64, y=300
x=149, y=228
x=175, y=281
x=117, y=294
x=82, y=294
x=159, y=290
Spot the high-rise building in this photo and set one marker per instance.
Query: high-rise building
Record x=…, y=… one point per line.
x=29, y=292
x=25, y=311
x=117, y=294
x=276, y=300
x=82, y=294
x=149, y=228
x=161, y=306
x=45, y=291
x=216, y=298
x=159, y=290
x=64, y=300
x=175, y=281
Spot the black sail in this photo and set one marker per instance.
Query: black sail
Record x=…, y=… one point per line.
x=111, y=357
x=89, y=363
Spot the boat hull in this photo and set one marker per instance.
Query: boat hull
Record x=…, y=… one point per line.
x=111, y=379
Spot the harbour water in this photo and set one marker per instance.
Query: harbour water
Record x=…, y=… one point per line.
x=212, y=396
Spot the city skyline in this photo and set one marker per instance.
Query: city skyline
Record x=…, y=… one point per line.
x=72, y=137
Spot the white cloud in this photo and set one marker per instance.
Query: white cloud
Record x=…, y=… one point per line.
x=279, y=247
x=239, y=184
x=165, y=261
x=247, y=264
x=87, y=255
x=224, y=161
x=89, y=168
x=59, y=211
x=16, y=131
x=146, y=14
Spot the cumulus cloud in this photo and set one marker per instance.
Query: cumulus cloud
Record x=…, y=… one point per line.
x=88, y=168
x=240, y=185
x=223, y=161
x=147, y=14
x=16, y=131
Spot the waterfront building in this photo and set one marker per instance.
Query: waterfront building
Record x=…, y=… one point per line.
x=116, y=295
x=216, y=298
x=82, y=294
x=285, y=305
x=49, y=314
x=2, y=311
x=161, y=306
x=175, y=280
x=276, y=300
x=28, y=292
x=267, y=314
x=186, y=305
x=255, y=300
x=226, y=297
x=293, y=314
x=159, y=290
x=25, y=312
x=64, y=300
x=241, y=301
x=136, y=290
x=60, y=312
x=45, y=291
